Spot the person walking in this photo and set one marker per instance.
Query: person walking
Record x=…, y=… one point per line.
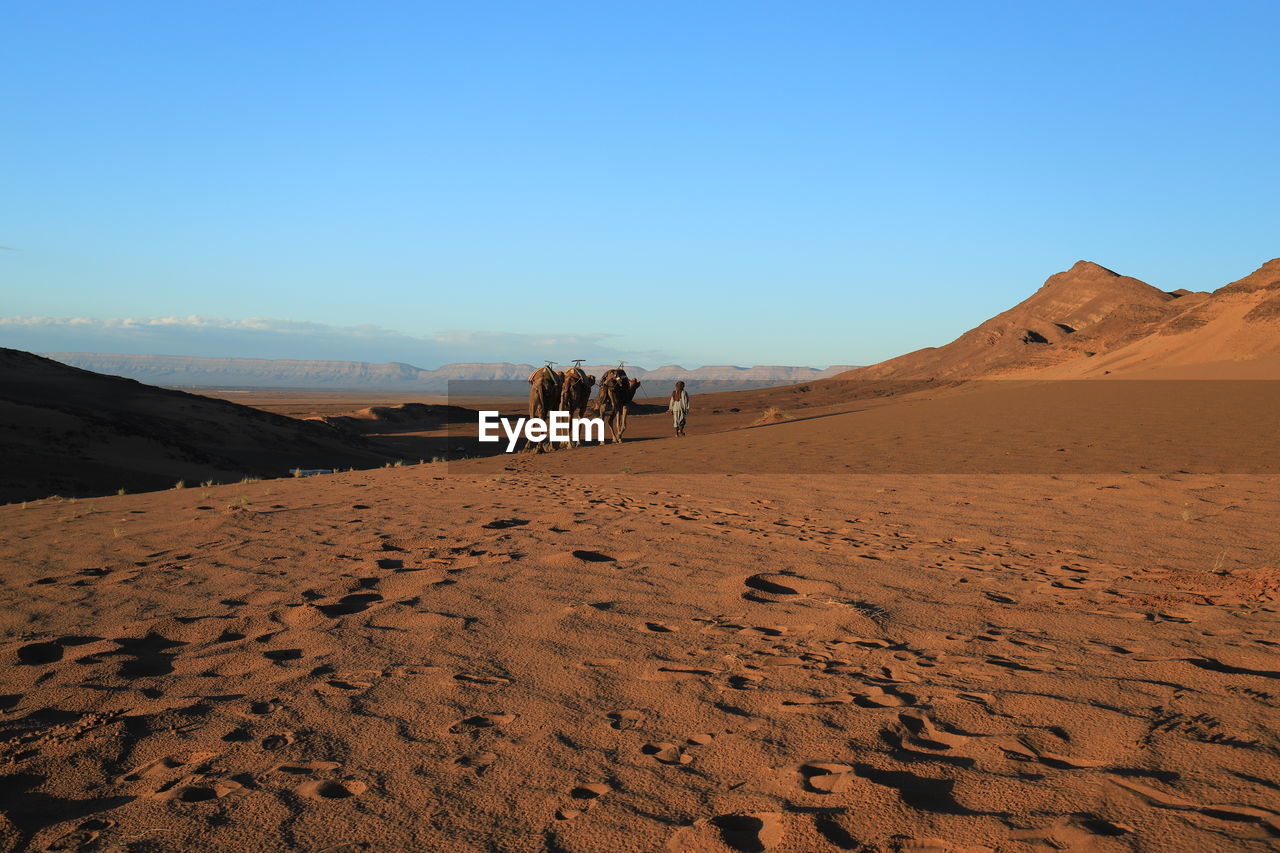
x=679, y=407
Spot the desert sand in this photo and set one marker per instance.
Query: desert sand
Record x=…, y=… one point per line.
x=412, y=660
x=947, y=615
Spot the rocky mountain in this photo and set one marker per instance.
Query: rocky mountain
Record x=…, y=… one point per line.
x=1091, y=321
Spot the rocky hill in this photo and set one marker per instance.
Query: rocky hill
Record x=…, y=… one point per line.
x=69, y=431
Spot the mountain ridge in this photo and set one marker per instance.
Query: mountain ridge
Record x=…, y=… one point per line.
x=204, y=371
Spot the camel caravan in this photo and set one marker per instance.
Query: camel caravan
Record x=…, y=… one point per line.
x=569, y=391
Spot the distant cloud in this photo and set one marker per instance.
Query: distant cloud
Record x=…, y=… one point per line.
x=260, y=337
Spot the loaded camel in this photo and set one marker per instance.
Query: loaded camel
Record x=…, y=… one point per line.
x=544, y=396
x=575, y=393
x=616, y=393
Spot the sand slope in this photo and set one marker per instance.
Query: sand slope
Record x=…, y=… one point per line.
x=72, y=432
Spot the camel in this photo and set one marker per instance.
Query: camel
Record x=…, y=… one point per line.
x=575, y=393
x=544, y=396
x=616, y=393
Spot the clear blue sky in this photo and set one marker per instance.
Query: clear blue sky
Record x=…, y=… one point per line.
x=702, y=182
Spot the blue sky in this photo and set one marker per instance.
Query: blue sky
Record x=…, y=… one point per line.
x=703, y=183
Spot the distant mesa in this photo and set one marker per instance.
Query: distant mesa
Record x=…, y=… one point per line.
x=203, y=372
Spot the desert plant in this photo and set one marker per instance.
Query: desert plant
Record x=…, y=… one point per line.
x=771, y=415
x=121, y=492
x=181, y=484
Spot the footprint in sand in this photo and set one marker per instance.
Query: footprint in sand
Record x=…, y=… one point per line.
x=746, y=681
x=660, y=627
x=1269, y=818
x=750, y=833
x=305, y=768
x=779, y=587
x=349, y=685
x=349, y=605
x=593, y=556
x=271, y=743
x=907, y=844
x=477, y=762
x=83, y=837
x=482, y=721
x=470, y=678
x=504, y=523
x=201, y=793
x=586, y=797
x=666, y=753
x=680, y=673
x=878, y=697
x=1077, y=832
x=827, y=778
x=626, y=720
x=916, y=732
x=331, y=789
